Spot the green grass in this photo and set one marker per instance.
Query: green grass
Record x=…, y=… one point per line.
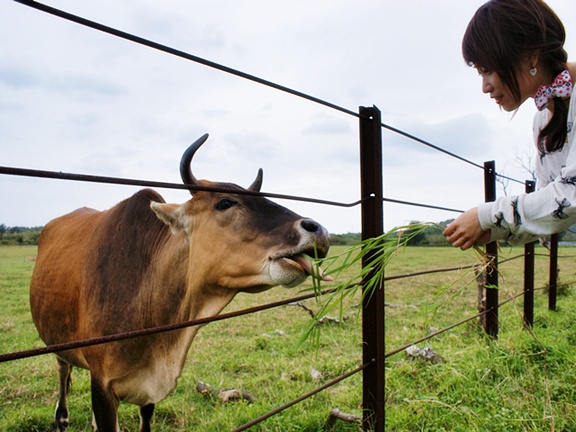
x=522, y=381
x=244, y=352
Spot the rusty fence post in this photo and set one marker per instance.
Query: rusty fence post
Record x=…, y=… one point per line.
x=530, y=186
x=373, y=305
x=553, y=281
x=491, y=323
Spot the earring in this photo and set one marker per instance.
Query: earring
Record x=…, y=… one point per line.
x=533, y=71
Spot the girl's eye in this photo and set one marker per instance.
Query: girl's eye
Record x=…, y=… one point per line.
x=224, y=204
x=482, y=71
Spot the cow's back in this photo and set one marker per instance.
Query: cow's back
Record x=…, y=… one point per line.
x=57, y=276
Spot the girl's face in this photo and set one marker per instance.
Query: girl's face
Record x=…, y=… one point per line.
x=493, y=85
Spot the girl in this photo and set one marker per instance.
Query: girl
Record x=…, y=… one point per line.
x=517, y=48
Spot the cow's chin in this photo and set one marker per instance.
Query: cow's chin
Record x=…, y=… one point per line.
x=287, y=273
x=256, y=290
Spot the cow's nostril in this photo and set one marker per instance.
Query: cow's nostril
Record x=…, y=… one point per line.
x=310, y=225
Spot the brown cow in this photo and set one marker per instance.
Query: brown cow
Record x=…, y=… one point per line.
x=145, y=263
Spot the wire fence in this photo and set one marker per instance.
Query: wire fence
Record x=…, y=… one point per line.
x=375, y=423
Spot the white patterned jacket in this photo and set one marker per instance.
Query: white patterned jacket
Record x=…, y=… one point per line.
x=552, y=208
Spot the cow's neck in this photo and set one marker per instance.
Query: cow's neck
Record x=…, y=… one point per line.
x=190, y=293
x=209, y=301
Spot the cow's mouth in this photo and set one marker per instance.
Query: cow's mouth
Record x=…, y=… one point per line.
x=305, y=265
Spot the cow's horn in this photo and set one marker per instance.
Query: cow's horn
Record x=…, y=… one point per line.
x=185, y=167
x=257, y=184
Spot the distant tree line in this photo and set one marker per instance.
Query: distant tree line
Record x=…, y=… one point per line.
x=430, y=237
x=347, y=239
x=29, y=236
x=433, y=235
x=18, y=236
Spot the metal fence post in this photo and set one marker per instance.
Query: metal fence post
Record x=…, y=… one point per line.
x=553, y=281
x=373, y=306
x=529, y=271
x=491, y=326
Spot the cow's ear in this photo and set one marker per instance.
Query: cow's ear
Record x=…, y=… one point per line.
x=171, y=214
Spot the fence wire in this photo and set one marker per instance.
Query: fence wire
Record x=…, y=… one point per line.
x=187, y=56
x=303, y=397
x=79, y=177
x=478, y=315
x=148, y=183
x=464, y=321
x=153, y=330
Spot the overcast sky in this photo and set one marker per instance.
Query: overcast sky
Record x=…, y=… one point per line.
x=75, y=100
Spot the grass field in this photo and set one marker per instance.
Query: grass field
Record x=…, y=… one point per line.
x=522, y=381
x=257, y=353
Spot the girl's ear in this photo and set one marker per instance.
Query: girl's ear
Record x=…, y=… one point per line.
x=532, y=60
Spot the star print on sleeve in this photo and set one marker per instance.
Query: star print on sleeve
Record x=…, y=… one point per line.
x=569, y=180
x=563, y=203
x=499, y=219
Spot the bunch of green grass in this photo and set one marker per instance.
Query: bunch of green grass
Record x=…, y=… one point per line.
x=358, y=272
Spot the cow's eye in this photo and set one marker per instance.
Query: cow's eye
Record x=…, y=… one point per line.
x=225, y=203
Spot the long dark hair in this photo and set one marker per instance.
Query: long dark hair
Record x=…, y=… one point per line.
x=503, y=34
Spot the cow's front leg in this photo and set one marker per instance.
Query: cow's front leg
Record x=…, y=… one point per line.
x=105, y=407
x=61, y=415
x=146, y=412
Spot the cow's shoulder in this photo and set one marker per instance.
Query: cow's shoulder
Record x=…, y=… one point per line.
x=129, y=233
x=131, y=217
x=122, y=249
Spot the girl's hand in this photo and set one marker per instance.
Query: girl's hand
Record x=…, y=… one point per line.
x=466, y=232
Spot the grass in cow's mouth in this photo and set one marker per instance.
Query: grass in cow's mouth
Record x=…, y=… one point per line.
x=377, y=252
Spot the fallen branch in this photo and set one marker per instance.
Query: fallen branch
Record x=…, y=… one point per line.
x=303, y=306
x=324, y=319
x=228, y=395
x=336, y=414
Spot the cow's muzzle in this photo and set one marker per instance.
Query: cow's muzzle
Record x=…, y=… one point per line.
x=292, y=267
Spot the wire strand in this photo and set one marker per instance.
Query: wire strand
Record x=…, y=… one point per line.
x=149, y=331
x=164, y=48
x=149, y=183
